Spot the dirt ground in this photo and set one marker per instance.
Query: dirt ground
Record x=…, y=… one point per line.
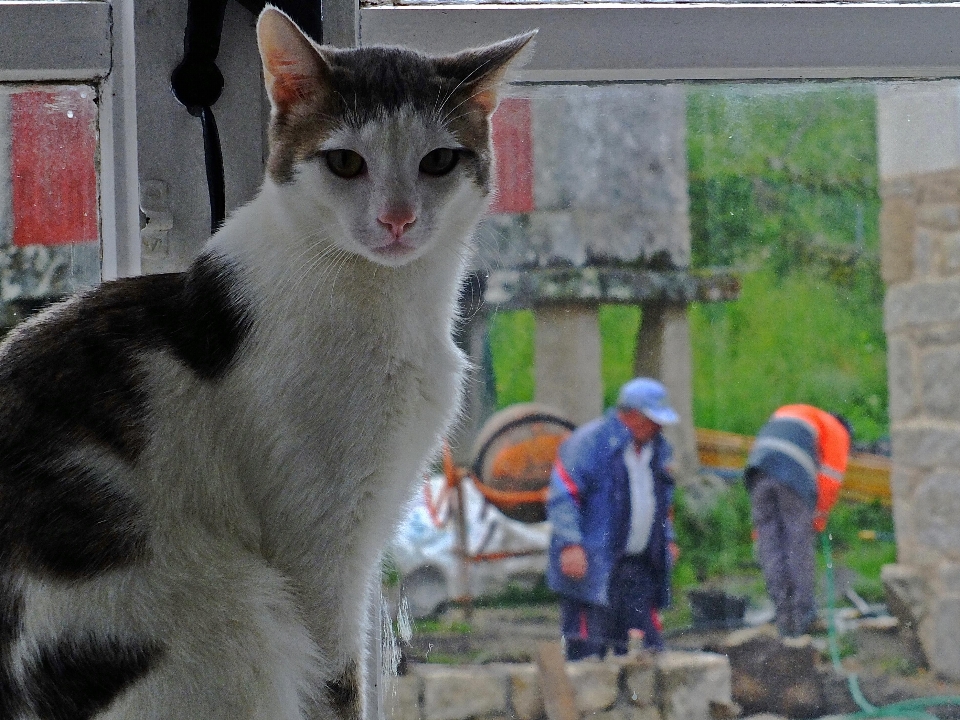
x=887, y=665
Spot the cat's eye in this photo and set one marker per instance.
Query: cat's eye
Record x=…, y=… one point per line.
x=345, y=163
x=439, y=162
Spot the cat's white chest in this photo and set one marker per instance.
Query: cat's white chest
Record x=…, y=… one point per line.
x=353, y=398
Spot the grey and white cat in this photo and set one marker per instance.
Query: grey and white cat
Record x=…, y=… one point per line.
x=198, y=471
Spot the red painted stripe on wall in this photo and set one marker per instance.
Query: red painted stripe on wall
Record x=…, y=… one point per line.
x=513, y=143
x=53, y=163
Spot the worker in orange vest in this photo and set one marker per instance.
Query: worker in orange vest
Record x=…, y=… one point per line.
x=794, y=474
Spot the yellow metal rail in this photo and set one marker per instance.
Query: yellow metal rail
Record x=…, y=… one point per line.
x=867, y=478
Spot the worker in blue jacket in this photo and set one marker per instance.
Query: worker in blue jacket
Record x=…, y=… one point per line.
x=609, y=503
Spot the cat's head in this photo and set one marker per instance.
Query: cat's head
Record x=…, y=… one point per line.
x=387, y=146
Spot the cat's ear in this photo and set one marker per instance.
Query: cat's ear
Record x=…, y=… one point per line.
x=480, y=72
x=293, y=70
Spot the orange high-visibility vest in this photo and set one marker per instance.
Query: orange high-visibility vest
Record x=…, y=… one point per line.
x=833, y=444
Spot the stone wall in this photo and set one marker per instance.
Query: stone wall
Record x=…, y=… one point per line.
x=919, y=153
x=676, y=686
x=608, y=194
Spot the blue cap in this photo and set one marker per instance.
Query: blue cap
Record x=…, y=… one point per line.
x=649, y=397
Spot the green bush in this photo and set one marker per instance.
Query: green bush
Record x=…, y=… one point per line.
x=713, y=543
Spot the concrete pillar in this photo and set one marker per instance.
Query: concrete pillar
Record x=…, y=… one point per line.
x=664, y=352
x=918, y=129
x=567, y=360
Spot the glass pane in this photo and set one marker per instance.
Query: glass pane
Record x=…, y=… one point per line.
x=398, y=3
x=49, y=218
x=725, y=239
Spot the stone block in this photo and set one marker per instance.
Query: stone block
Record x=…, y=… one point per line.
x=944, y=652
x=688, y=681
x=458, y=693
x=595, y=684
x=936, y=507
x=940, y=382
x=928, y=336
x=401, y=700
x=900, y=377
x=905, y=187
x=916, y=129
x=640, y=680
x=924, y=445
x=897, y=223
x=951, y=253
x=948, y=578
x=939, y=216
x=648, y=712
x=906, y=592
x=924, y=302
x=526, y=696
x=941, y=187
x=926, y=254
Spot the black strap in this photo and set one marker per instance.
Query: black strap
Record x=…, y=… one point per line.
x=197, y=81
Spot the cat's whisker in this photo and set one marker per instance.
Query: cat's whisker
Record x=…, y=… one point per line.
x=344, y=258
x=306, y=270
x=469, y=76
x=447, y=118
x=323, y=242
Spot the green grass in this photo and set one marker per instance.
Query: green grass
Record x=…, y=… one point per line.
x=511, y=343
x=865, y=557
x=516, y=596
x=715, y=543
x=716, y=548
x=431, y=625
x=792, y=339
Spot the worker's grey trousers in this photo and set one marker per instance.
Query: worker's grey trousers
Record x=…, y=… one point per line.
x=784, y=525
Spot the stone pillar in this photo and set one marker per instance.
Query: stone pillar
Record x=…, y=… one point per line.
x=664, y=352
x=919, y=160
x=567, y=360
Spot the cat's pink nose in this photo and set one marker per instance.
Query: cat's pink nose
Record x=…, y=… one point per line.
x=397, y=221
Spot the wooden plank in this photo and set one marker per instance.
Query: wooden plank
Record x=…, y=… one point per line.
x=867, y=477
x=559, y=699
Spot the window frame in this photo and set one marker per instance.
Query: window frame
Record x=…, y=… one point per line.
x=607, y=42
x=90, y=42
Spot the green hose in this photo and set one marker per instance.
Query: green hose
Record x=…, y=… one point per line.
x=914, y=709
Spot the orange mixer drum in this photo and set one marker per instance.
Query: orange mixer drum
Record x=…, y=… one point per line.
x=513, y=457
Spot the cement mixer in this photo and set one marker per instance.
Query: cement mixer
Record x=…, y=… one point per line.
x=512, y=459
x=513, y=455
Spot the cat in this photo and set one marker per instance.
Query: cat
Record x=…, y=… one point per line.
x=199, y=470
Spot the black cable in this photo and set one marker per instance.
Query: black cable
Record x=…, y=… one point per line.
x=197, y=84
x=197, y=81
x=213, y=160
